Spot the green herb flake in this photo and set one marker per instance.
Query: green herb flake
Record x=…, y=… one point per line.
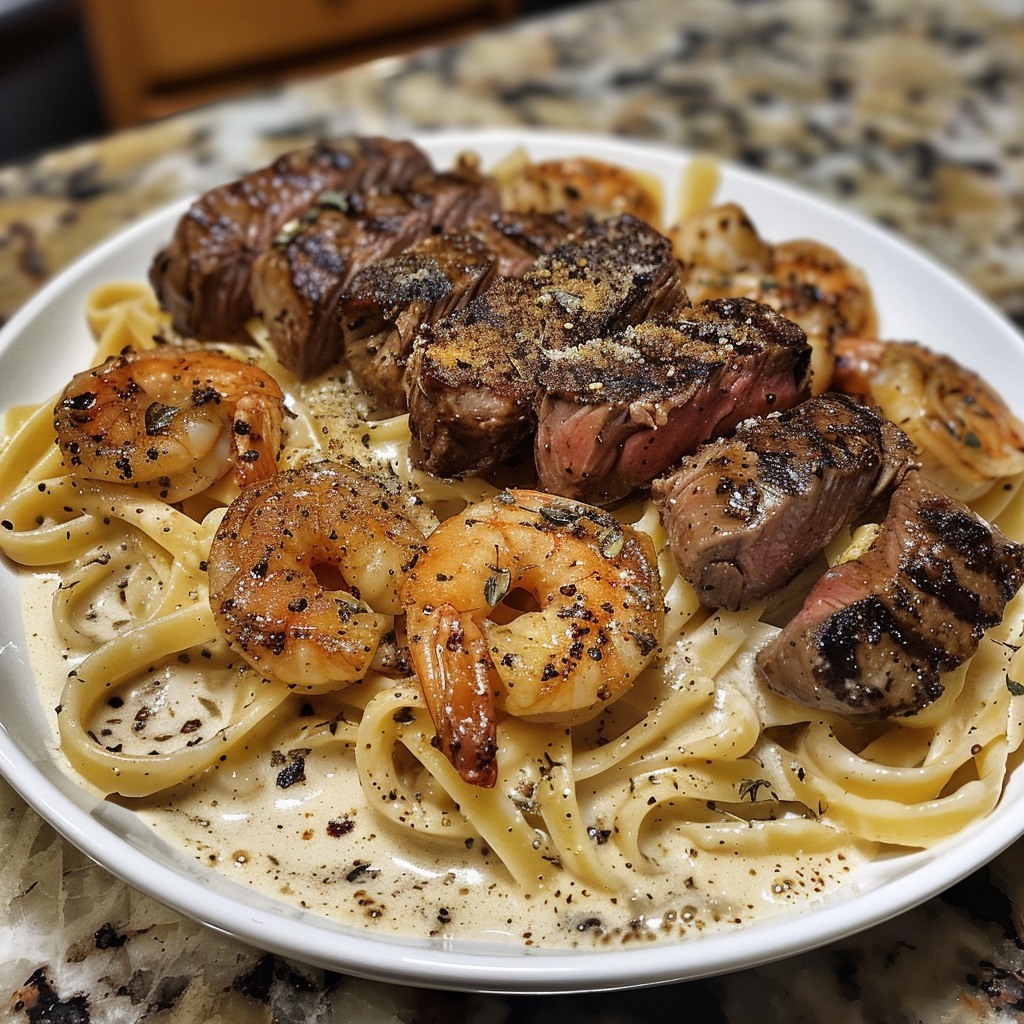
x=159, y=417
x=751, y=787
x=497, y=586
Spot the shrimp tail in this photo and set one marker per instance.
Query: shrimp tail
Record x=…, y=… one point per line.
x=458, y=684
x=254, y=429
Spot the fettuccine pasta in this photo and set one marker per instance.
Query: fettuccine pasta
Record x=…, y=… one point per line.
x=698, y=798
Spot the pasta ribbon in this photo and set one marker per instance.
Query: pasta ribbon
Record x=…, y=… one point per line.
x=696, y=760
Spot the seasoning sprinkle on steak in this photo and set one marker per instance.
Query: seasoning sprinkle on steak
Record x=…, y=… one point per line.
x=876, y=633
x=472, y=382
x=390, y=300
x=298, y=283
x=747, y=513
x=618, y=411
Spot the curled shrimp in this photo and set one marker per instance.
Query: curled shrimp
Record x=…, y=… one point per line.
x=577, y=187
x=806, y=281
x=966, y=436
x=175, y=419
x=597, y=618
x=305, y=570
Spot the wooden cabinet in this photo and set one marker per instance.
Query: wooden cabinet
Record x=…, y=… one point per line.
x=152, y=57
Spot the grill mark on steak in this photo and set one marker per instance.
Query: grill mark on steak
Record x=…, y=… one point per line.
x=202, y=276
x=748, y=513
x=608, y=275
x=618, y=411
x=518, y=239
x=907, y=663
x=457, y=267
x=390, y=300
x=472, y=381
x=875, y=633
x=297, y=285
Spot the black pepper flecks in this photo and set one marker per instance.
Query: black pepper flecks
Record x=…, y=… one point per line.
x=293, y=773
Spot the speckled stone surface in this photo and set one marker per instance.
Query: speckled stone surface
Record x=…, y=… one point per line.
x=909, y=111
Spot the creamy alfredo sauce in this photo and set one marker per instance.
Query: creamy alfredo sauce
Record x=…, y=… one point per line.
x=293, y=823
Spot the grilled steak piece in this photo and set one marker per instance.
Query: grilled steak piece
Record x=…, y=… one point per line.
x=745, y=514
x=298, y=283
x=389, y=300
x=619, y=411
x=472, y=378
x=607, y=275
x=202, y=277
x=875, y=633
x=518, y=239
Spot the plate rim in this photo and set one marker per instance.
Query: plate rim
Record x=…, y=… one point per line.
x=511, y=970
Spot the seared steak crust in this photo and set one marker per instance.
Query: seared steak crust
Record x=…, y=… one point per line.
x=875, y=633
x=747, y=513
x=298, y=283
x=619, y=411
x=472, y=381
x=518, y=239
x=473, y=376
x=608, y=275
x=202, y=277
x=388, y=301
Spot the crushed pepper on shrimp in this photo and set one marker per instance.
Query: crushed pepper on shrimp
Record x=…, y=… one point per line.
x=305, y=570
x=171, y=418
x=592, y=620
x=577, y=187
x=966, y=435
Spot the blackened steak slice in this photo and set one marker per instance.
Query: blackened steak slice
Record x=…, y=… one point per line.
x=472, y=379
x=607, y=275
x=618, y=411
x=518, y=239
x=298, y=283
x=745, y=514
x=388, y=301
x=875, y=633
x=202, y=276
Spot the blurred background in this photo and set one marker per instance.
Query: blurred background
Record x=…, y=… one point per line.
x=73, y=69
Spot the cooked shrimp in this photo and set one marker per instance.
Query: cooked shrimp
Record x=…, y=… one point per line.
x=577, y=186
x=719, y=241
x=965, y=434
x=808, y=282
x=598, y=620
x=170, y=418
x=305, y=570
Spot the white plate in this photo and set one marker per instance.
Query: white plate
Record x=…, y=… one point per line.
x=47, y=342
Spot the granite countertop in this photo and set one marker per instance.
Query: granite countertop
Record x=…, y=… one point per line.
x=909, y=111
